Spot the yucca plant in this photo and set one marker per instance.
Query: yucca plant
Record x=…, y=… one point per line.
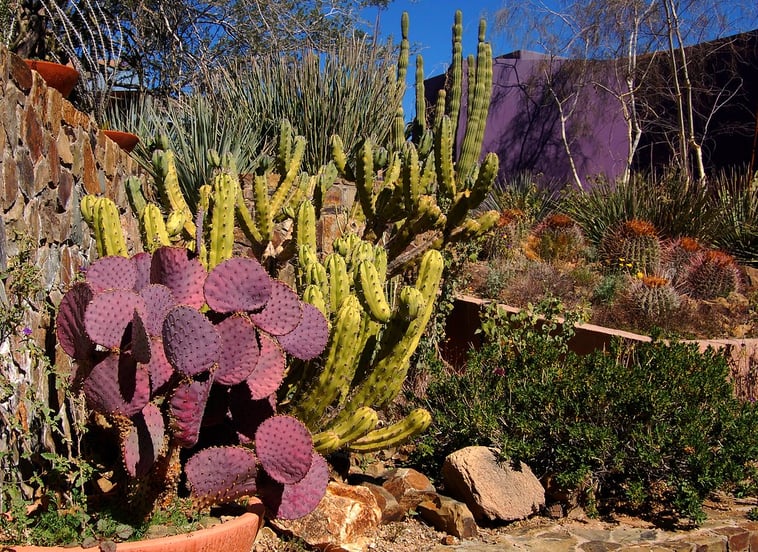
x=736, y=212
x=350, y=90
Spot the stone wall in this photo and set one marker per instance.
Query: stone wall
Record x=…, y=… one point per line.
x=52, y=156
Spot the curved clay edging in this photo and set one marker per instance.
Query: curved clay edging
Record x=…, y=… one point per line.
x=231, y=536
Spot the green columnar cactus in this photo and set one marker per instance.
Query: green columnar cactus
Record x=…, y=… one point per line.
x=428, y=204
x=102, y=215
x=419, y=121
x=353, y=380
x=456, y=71
x=479, y=94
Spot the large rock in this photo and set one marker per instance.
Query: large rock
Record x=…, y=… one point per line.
x=344, y=520
x=490, y=489
x=409, y=487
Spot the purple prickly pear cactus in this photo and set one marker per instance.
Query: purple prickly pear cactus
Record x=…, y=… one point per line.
x=309, y=338
x=183, y=276
x=117, y=385
x=166, y=349
x=297, y=499
x=142, y=263
x=69, y=325
x=144, y=441
x=285, y=448
x=158, y=301
x=108, y=315
x=112, y=273
x=282, y=313
x=186, y=408
x=210, y=485
x=239, y=350
x=191, y=342
x=268, y=373
x=238, y=284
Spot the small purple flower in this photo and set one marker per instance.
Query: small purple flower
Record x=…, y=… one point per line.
x=27, y=331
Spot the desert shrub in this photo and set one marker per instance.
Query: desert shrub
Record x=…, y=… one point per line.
x=649, y=428
x=521, y=193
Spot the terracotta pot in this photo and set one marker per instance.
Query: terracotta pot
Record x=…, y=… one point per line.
x=61, y=77
x=125, y=140
x=231, y=536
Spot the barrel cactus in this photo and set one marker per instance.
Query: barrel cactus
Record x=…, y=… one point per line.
x=171, y=355
x=653, y=297
x=712, y=274
x=632, y=246
x=558, y=238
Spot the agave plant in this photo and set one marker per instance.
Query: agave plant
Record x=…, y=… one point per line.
x=170, y=354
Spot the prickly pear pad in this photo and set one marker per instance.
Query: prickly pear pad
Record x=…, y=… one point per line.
x=221, y=474
x=144, y=441
x=183, y=276
x=117, y=385
x=158, y=301
x=282, y=312
x=298, y=499
x=237, y=284
x=114, y=272
x=268, y=374
x=159, y=367
x=308, y=340
x=139, y=343
x=108, y=315
x=142, y=262
x=238, y=352
x=285, y=448
x=69, y=325
x=187, y=405
x=190, y=341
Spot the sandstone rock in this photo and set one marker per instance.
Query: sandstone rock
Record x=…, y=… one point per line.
x=449, y=515
x=492, y=490
x=388, y=504
x=409, y=487
x=344, y=519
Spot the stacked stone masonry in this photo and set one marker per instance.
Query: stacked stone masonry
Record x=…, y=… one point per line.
x=52, y=155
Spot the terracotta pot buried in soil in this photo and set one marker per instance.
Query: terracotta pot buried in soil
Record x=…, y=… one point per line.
x=230, y=536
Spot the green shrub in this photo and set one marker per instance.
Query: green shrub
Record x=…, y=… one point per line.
x=648, y=428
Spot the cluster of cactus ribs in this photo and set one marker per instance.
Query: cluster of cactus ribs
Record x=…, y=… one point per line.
x=170, y=353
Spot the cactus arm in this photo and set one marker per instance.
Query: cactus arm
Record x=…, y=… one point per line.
x=371, y=291
x=356, y=426
x=411, y=179
x=313, y=295
x=386, y=378
x=339, y=367
x=443, y=157
x=419, y=122
x=245, y=219
x=288, y=179
x=364, y=179
x=107, y=229
x=263, y=213
x=339, y=157
x=87, y=207
x=413, y=424
x=479, y=99
x=305, y=225
x=404, y=55
x=456, y=71
x=339, y=280
x=154, y=232
x=169, y=189
x=222, y=220
x=134, y=194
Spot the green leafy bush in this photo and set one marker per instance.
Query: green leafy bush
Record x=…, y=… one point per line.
x=649, y=427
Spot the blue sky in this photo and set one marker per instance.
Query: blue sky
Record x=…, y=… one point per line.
x=431, y=22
